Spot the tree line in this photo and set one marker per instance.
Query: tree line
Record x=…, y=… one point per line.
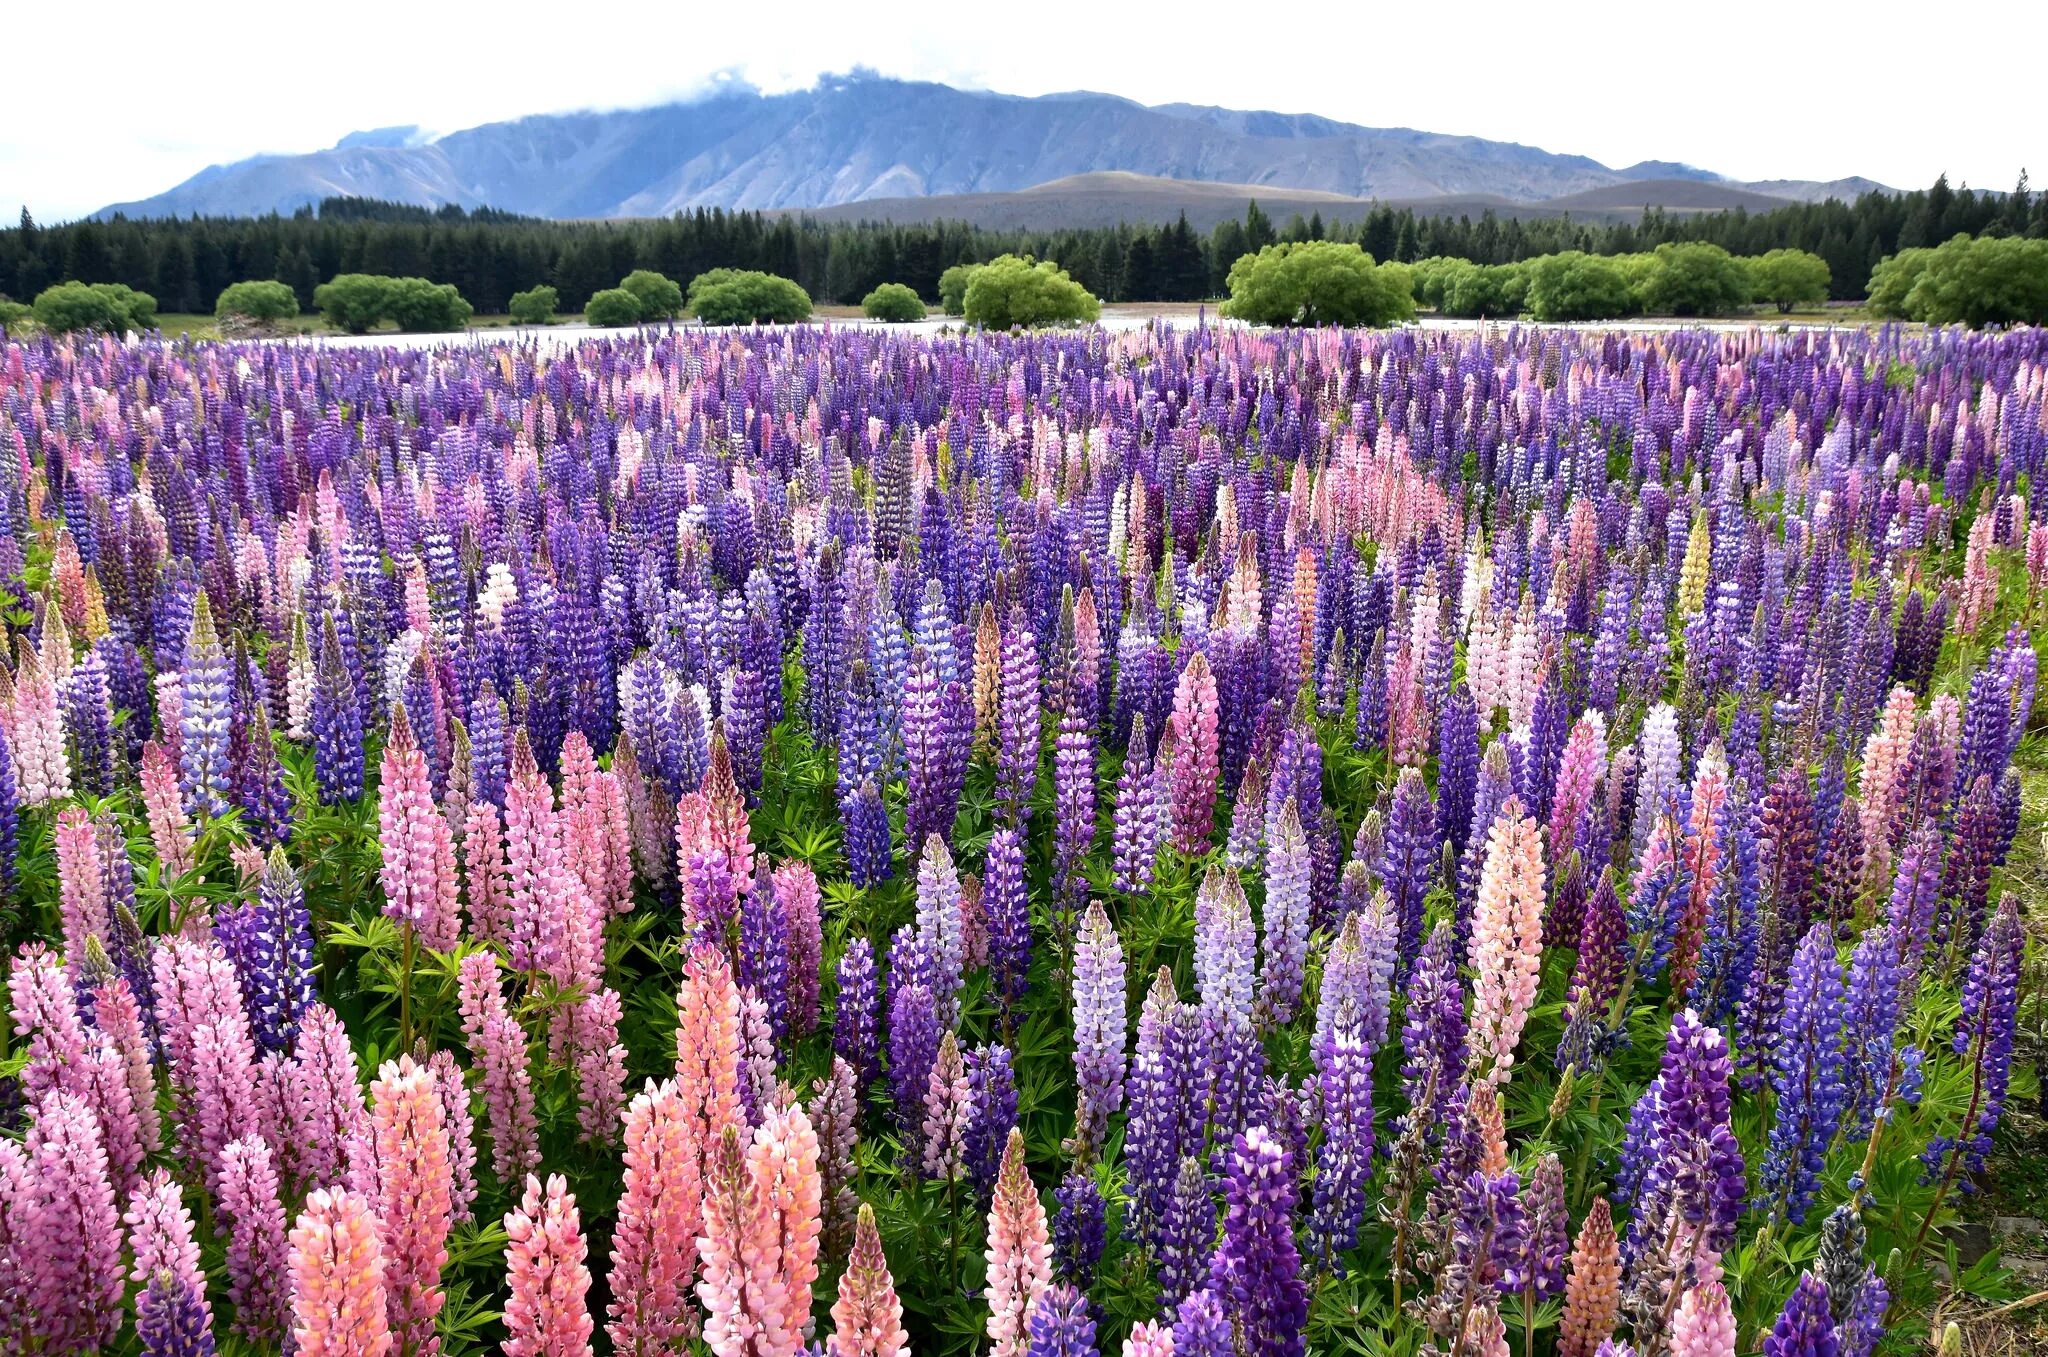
x=489, y=255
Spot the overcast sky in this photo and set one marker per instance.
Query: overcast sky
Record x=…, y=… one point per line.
x=138, y=97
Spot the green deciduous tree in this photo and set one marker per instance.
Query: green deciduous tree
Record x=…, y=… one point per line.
x=354, y=302
x=1012, y=291
x=94, y=306
x=612, y=306
x=953, y=288
x=1694, y=279
x=661, y=298
x=892, y=302
x=1577, y=286
x=535, y=306
x=1318, y=282
x=1789, y=278
x=746, y=297
x=266, y=302
x=13, y=313
x=419, y=306
x=1985, y=281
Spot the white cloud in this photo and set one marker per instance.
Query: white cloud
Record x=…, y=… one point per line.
x=1754, y=90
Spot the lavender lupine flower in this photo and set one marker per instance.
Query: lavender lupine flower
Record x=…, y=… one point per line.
x=1288, y=870
x=1811, y=1077
x=938, y=926
x=1073, y=779
x=1139, y=821
x=1017, y=720
x=1432, y=1031
x=1201, y=1328
x=1875, y=1001
x=1060, y=1324
x=1344, y=1166
x=1256, y=1271
x=1099, y=1025
x=1004, y=898
x=1984, y=1035
x=207, y=692
x=856, y=1029
x=1080, y=1229
x=992, y=1113
x=1681, y=1166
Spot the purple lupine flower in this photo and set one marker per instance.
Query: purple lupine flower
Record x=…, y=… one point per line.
x=1008, y=905
x=1875, y=1000
x=1984, y=1036
x=337, y=721
x=10, y=818
x=764, y=948
x=1811, y=1077
x=1805, y=1327
x=172, y=1320
x=1099, y=1025
x=1432, y=1030
x=1344, y=1167
x=1080, y=1229
x=1409, y=858
x=270, y=942
x=1017, y=720
x=1256, y=1271
x=1489, y=1233
x=1286, y=916
x=207, y=714
x=1680, y=1160
x=1073, y=780
x=914, y=1035
x=991, y=1113
x=1549, y=1237
x=1139, y=822
x=1061, y=1325
x=1457, y=768
x=855, y=1027
x=1186, y=1232
x=1201, y=1328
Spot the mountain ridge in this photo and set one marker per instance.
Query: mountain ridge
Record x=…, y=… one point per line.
x=851, y=139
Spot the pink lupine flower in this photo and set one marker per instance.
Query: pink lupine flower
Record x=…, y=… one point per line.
x=1977, y=594
x=219, y=1072
x=45, y=1011
x=160, y=1236
x=70, y=1239
x=337, y=1271
x=42, y=768
x=596, y=828
x=332, y=1119
x=1019, y=1258
x=600, y=1060
x=1579, y=770
x=714, y=850
x=499, y=1046
x=867, y=1318
x=1506, y=948
x=1148, y=1339
x=708, y=1052
x=252, y=1216
x=659, y=1208
x=759, y=1249
x=414, y=1209
x=546, y=1312
x=170, y=832
x=1704, y=1325
x=1196, y=758
x=946, y=1113
x=1484, y=1334
x=104, y=1083
x=453, y=1091
x=1885, y=757
x=120, y=1023
x=484, y=873
x=534, y=895
x=420, y=887
x=81, y=882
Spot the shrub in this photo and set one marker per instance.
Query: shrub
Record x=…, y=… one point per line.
x=535, y=306
x=892, y=302
x=660, y=296
x=1788, y=278
x=743, y=297
x=1009, y=291
x=354, y=302
x=613, y=306
x=13, y=314
x=419, y=306
x=1694, y=279
x=1577, y=286
x=94, y=306
x=1317, y=282
x=1986, y=281
x=266, y=302
x=953, y=288
x=1892, y=281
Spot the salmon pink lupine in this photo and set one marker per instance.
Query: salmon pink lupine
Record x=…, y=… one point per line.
x=867, y=1319
x=170, y=832
x=420, y=885
x=1592, y=1292
x=547, y=1313
x=707, y=1053
x=337, y=1275
x=659, y=1209
x=413, y=1203
x=759, y=1247
x=1505, y=951
x=1019, y=1252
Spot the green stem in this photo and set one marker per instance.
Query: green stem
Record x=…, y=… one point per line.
x=405, y=963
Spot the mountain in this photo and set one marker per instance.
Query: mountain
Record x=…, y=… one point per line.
x=860, y=138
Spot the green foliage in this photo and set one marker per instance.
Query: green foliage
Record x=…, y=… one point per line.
x=1693, y=280
x=661, y=298
x=359, y=302
x=13, y=314
x=1892, y=282
x=535, y=306
x=1459, y=287
x=1317, y=282
x=1012, y=291
x=267, y=302
x=1577, y=286
x=613, y=306
x=94, y=306
x=747, y=297
x=953, y=288
x=1991, y=280
x=354, y=302
x=892, y=302
x=1789, y=278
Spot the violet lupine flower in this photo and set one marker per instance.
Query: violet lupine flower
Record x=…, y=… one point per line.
x=1680, y=1162
x=1139, y=821
x=1017, y=720
x=1004, y=897
x=207, y=714
x=1201, y=1328
x=1983, y=1038
x=1288, y=872
x=254, y=1221
x=1805, y=1328
x=764, y=950
x=856, y=1026
x=171, y=1319
x=1185, y=1235
x=1344, y=1166
x=1489, y=1235
x=1549, y=1236
x=991, y=1113
x=1256, y=1271
x=1811, y=1077
x=337, y=719
x=1432, y=1031
x=1073, y=780
x=914, y=1034
x=1099, y=1025
x=1080, y=1229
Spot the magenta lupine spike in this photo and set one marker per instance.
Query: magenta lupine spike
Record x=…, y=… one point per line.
x=498, y=1045
x=420, y=885
x=44, y=1009
x=546, y=1310
x=1100, y=1025
x=70, y=1237
x=796, y=887
x=414, y=1209
x=1288, y=871
x=1197, y=756
x=332, y=1117
x=81, y=889
x=252, y=1216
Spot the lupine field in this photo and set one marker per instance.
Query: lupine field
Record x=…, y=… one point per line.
x=1207, y=843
